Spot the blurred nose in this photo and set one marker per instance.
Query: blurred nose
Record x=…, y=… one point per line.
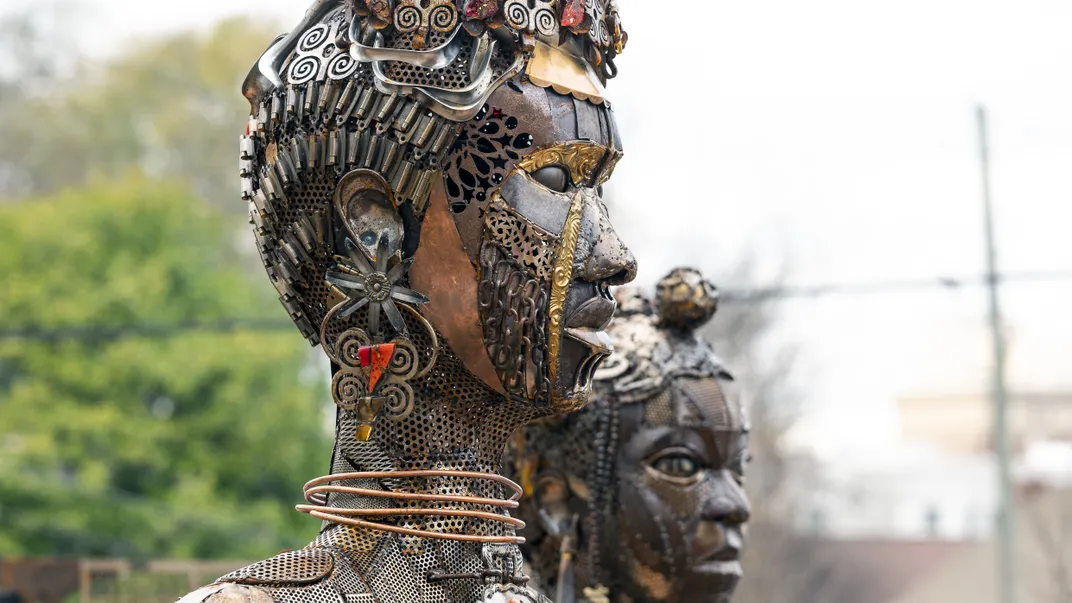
x=729, y=506
x=608, y=260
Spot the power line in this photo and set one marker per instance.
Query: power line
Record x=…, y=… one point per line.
x=903, y=286
x=104, y=332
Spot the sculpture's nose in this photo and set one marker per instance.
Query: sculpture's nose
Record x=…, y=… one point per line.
x=608, y=261
x=729, y=506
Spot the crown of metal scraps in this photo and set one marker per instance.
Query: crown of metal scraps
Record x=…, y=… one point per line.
x=450, y=53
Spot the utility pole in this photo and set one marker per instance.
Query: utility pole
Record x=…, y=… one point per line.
x=1006, y=512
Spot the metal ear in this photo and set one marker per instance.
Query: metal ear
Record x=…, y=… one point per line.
x=369, y=212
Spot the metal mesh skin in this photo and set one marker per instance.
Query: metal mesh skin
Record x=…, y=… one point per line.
x=294, y=567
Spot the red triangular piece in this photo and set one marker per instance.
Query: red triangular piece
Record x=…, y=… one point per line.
x=375, y=359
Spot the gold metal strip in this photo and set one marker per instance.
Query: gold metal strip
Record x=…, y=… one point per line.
x=562, y=277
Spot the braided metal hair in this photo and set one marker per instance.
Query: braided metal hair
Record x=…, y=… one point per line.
x=602, y=485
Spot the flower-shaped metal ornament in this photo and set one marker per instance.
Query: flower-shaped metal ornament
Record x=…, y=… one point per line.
x=374, y=285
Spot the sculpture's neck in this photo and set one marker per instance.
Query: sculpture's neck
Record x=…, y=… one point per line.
x=461, y=526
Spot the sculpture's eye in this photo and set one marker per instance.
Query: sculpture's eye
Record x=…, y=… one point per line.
x=678, y=463
x=553, y=177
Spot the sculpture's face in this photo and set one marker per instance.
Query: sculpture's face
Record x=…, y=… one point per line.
x=680, y=469
x=524, y=185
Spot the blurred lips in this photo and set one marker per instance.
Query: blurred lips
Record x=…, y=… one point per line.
x=721, y=559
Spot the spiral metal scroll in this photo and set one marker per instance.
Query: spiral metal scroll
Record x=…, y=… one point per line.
x=303, y=69
x=398, y=400
x=348, y=388
x=422, y=15
x=314, y=38
x=342, y=66
x=599, y=33
x=347, y=346
x=540, y=18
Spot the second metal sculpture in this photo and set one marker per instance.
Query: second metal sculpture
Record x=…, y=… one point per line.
x=638, y=498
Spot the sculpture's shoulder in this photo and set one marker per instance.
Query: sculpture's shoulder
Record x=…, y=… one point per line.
x=228, y=593
x=310, y=575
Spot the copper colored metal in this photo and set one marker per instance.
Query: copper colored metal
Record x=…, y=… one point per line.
x=344, y=515
x=443, y=272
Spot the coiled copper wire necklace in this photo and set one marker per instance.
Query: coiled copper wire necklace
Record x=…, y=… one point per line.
x=316, y=492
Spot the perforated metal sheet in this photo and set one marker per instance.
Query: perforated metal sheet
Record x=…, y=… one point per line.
x=295, y=567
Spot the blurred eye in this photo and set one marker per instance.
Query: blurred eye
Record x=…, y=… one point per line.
x=553, y=177
x=677, y=463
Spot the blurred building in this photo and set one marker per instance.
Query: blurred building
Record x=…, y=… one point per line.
x=961, y=423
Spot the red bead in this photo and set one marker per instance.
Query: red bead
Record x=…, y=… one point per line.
x=481, y=10
x=573, y=13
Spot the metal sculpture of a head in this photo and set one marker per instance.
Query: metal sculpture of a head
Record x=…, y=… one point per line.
x=425, y=180
x=426, y=173
x=639, y=496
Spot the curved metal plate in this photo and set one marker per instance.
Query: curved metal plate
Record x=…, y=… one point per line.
x=435, y=58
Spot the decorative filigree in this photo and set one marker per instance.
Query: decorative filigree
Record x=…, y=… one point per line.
x=532, y=16
x=598, y=32
x=374, y=378
x=375, y=287
x=316, y=55
x=531, y=247
x=583, y=160
x=562, y=277
x=421, y=15
x=486, y=145
x=513, y=309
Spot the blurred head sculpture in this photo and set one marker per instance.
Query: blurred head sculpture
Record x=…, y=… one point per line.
x=424, y=180
x=639, y=496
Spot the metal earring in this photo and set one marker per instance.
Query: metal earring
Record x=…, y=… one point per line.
x=375, y=371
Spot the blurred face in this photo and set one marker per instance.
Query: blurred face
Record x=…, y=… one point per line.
x=524, y=185
x=682, y=506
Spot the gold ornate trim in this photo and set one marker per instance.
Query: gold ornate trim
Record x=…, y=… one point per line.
x=562, y=276
x=584, y=160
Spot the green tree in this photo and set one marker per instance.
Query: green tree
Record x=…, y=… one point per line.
x=190, y=444
x=169, y=106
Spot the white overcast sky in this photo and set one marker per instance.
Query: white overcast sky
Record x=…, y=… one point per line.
x=838, y=137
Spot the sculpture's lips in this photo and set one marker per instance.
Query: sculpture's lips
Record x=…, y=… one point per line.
x=599, y=341
x=586, y=326
x=723, y=560
x=730, y=570
x=594, y=314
